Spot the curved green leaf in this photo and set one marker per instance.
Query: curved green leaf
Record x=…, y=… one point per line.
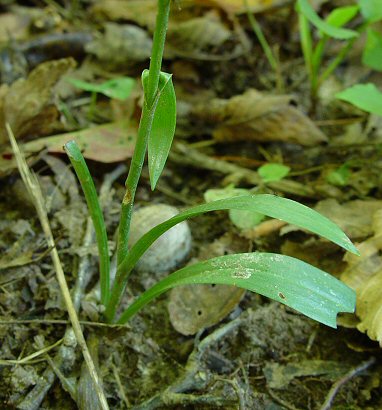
x=82, y=171
x=304, y=7
x=342, y=15
x=290, y=281
x=118, y=88
x=163, y=127
x=371, y=10
x=270, y=205
x=367, y=97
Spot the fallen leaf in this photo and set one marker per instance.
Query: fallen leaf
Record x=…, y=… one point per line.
x=192, y=308
x=106, y=143
x=198, y=33
x=353, y=217
x=239, y=7
x=259, y=117
x=28, y=105
x=364, y=275
x=121, y=46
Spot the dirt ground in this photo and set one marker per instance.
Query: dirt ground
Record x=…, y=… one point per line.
x=237, y=350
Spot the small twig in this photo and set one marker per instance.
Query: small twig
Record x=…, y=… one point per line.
x=27, y=359
x=279, y=400
x=60, y=322
x=185, y=155
x=347, y=377
x=120, y=386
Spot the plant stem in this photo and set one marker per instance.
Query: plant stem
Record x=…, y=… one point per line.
x=144, y=128
x=138, y=158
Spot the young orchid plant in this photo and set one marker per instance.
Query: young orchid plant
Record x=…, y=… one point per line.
x=290, y=281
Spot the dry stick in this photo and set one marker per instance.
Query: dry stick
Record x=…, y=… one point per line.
x=35, y=397
x=66, y=352
x=197, y=159
x=34, y=190
x=339, y=383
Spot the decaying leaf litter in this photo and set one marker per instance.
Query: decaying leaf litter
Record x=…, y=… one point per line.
x=233, y=118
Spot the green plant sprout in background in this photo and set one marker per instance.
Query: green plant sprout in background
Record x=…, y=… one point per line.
x=117, y=88
x=269, y=54
x=333, y=28
x=287, y=280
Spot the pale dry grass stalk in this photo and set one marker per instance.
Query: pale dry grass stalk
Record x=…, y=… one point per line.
x=35, y=193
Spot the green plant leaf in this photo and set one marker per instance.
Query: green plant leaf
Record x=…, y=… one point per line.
x=372, y=53
x=78, y=162
x=117, y=88
x=342, y=15
x=340, y=176
x=367, y=97
x=270, y=205
x=290, y=281
x=304, y=7
x=371, y=10
x=163, y=127
x=273, y=172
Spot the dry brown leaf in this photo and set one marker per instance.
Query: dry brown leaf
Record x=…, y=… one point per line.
x=353, y=217
x=198, y=33
x=106, y=143
x=121, y=45
x=192, y=308
x=364, y=275
x=142, y=12
x=259, y=117
x=28, y=105
x=238, y=6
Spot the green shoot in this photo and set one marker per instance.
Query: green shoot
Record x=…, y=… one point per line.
x=117, y=88
x=292, y=282
x=83, y=174
x=272, y=60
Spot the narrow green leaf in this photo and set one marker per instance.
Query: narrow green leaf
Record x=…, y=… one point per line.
x=117, y=88
x=367, y=97
x=270, y=205
x=342, y=15
x=371, y=10
x=372, y=52
x=290, y=281
x=87, y=184
x=304, y=7
x=163, y=128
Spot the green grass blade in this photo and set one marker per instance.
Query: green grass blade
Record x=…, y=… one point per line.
x=304, y=7
x=87, y=184
x=290, y=281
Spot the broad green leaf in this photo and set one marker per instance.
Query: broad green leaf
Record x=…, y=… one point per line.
x=367, y=97
x=372, y=53
x=163, y=127
x=342, y=15
x=273, y=172
x=371, y=10
x=304, y=7
x=270, y=205
x=117, y=88
x=241, y=219
x=290, y=281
